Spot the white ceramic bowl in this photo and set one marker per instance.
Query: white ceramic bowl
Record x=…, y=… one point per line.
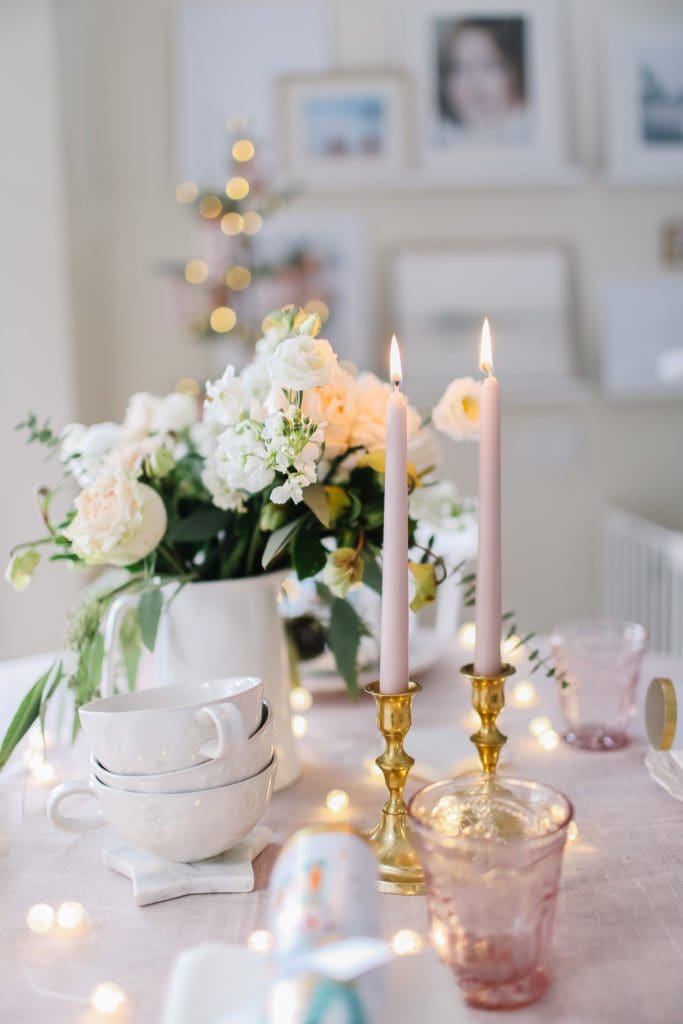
x=244, y=763
x=181, y=827
x=172, y=727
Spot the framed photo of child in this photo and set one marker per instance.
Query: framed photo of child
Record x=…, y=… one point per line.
x=490, y=86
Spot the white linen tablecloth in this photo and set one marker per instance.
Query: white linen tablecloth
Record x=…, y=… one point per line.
x=618, y=949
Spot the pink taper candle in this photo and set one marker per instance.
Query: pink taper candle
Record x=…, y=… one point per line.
x=393, y=661
x=488, y=615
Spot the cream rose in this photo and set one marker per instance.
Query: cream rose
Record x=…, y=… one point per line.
x=333, y=406
x=457, y=411
x=118, y=521
x=302, y=362
x=369, y=426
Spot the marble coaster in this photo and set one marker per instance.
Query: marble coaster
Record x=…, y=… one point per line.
x=155, y=880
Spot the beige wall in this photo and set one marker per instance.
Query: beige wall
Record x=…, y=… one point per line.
x=116, y=85
x=34, y=317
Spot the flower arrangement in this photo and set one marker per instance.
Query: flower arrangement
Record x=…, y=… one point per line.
x=282, y=467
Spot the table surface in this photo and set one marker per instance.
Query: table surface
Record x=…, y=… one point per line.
x=618, y=948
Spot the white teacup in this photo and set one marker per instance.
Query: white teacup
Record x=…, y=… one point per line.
x=182, y=827
x=248, y=760
x=172, y=727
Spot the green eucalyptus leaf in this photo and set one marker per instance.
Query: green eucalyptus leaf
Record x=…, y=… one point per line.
x=372, y=576
x=130, y=640
x=149, y=613
x=203, y=524
x=308, y=554
x=26, y=714
x=343, y=638
x=278, y=541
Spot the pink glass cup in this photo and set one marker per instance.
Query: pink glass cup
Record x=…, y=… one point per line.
x=601, y=661
x=492, y=854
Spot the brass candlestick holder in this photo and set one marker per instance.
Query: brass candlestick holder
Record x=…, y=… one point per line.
x=400, y=870
x=488, y=700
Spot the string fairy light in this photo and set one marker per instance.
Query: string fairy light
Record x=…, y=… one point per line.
x=523, y=694
x=539, y=725
x=549, y=740
x=223, y=319
x=299, y=726
x=107, y=998
x=337, y=801
x=406, y=942
x=40, y=918
x=260, y=941
x=237, y=188
x=71, y=915
x=467, y=636
x=300, y=699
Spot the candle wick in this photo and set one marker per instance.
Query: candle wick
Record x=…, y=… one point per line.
x=397, y=383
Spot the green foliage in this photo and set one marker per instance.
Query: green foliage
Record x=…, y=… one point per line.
x=27, y=713
x=130, y=641
x=149, y=614
x=37, y=433
x=308, y=554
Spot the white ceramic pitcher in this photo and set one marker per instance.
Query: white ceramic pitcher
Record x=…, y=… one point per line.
x=222, y=628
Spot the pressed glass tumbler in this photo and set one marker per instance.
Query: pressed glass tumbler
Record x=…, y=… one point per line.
x=600, y=661
x=492, y=854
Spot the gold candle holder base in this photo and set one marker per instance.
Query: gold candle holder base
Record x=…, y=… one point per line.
x=400, y=870
x=488, y=700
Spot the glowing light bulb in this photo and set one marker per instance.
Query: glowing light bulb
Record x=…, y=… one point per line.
x=196, y=271
x=260, y=941
x=337, y=801
x=186, y=192
x=243, y=150
x=467, y=635
x=237, y=188
x=406, y=942
x=299, y=726
x=253, y=222
x=539, y=725
x=71, y=915
x=523, y=695
x=107, y=998
x=223, y=319
x=300, y=699
x=40, y=918
x=549, y=740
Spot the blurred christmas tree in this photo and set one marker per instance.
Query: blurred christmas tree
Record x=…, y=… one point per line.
x=223, y=292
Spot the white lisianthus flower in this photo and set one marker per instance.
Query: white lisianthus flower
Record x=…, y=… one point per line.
x=266, y=345
x=436, y=504
x=118, y=521
x=302, y=362
x=175, y=412
x=457, y=411
x=224, y=401
x=21, y=568
x=140, y=412
x=369, y=426
x=83, y=450
x=256, y=380
x=333, y=406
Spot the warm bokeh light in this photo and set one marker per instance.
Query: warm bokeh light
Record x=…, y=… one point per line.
x=186, y=192
x=232, y=223
x=572, y=832
x=318, y=308
x=44, y=773
x=511, y=645
x=438, y=935
x=253, y=222
x=242, y=150
x=471, y=721
x=237, y=188
x=549, y=740
x=260, y=941
x=238, y=278
x=196, y=271
x=223, y=319
x=299, y=726
x=485, y=353
x=406, y=942
x=373, y=767
x=467, y=636
x=395, y=370
x=523, y=694
x=210, y=207
x=40, y=918
x=71, y=915
x=188, y=386
x=337, y=801
x=539, y=725
x=300, y=699
x=107, y=998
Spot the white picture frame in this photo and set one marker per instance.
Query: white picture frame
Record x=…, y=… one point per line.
x=516, y=128
x=645, y=99
x=343, y=129
x=441, y=294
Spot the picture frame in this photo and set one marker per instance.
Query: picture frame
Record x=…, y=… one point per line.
x=491, y=93
x=441, y=294
x=645, y=99
x=344, y=129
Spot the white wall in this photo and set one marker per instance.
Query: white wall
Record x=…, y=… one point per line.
x=116, y=83
x=34, y=320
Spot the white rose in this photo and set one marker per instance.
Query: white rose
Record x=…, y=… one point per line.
x=129, y=456
x=118, y=521
x=175, y=412
x=369, y=426
x=457, y=411
x=83, y=450
x=302, y=362
x=140, y=412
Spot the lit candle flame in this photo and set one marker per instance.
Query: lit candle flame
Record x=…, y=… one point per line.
x=485, y=354
x=395, y=362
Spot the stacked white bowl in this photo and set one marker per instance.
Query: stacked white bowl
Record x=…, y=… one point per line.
x=185, y=772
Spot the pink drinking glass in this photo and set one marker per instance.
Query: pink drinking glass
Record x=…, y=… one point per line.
x=492, y=854
x=601, y=661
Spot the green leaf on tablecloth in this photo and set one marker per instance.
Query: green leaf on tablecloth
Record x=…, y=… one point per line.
x=130, y=640
x=308, y=554
x=149, y=613
x=343, y=638
x=27, y=712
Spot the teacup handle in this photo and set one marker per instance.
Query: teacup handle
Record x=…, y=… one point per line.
x=111, y=632
x=230, y=729
x=77, y=823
